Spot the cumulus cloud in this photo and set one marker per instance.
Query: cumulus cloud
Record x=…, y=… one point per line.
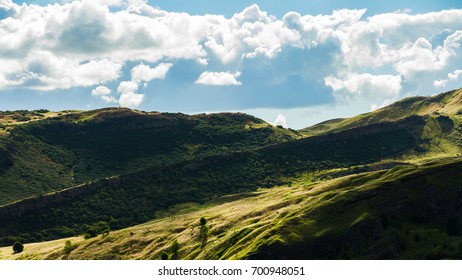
x=316, y=58
x=454, y=76
x=104, y=93
x=128, y=94
x=127, y=86
x=144, y=73
x=130, y=99
x=377, y=86
x=219, y=79
x=281, y=120
x=101, y=91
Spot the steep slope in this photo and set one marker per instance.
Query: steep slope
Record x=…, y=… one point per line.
x=77, y=147
x=408, y=212
x=445, y=104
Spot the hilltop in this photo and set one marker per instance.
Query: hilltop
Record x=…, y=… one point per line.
x=444, y=104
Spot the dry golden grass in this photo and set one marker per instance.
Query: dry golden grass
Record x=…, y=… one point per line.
x=8, y=122
x=237, y=225
x=39, y=250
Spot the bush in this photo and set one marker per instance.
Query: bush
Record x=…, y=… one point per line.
x=18, y=247
x=68, y=247
x=175, y=247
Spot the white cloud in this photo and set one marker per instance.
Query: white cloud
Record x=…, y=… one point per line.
x=219, y=79
x=202, y=61
x=440, y=83
x=281, y=120
x=127, y=86
x=104, y=93
x=101, y=91
x=454, y=76
x=130, y=99
x=421, y=58
x=45, y=71
x=387, y=102
x=109, y=99
x=87, y=44
x=145, y=73
x=365, y=85
x=6, y=4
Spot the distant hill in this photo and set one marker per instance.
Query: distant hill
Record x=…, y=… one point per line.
x=445, y=104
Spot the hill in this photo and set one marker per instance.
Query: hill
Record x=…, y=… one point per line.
x=77, y=147
x=85, y=172
x=408, y=212
x=444, y=104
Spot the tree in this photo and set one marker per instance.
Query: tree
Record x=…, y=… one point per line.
x=203, y=221
x=18, y=247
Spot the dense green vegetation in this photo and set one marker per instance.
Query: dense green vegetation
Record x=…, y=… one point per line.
x=55, y=153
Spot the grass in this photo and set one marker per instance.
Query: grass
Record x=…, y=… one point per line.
x=338, y=218
x=448, y=103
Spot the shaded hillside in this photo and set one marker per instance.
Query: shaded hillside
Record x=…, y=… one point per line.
x=408, y=212
x=404, y=213
x=74, y=148
x=143, y=193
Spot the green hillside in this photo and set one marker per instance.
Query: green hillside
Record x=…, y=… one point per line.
x=408, y=212
x=77, y=147
x=371, y=186
x=445, y=104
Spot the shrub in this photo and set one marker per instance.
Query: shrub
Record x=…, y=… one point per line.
x=174, y=248
x=68, y=247
x=203, y=232
x=18, y=247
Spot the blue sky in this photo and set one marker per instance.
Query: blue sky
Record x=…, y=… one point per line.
x=291, y=62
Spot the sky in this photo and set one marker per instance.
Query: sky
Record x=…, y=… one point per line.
x=293, y=63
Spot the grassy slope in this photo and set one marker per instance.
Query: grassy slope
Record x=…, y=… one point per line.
x=445, y=104
x=406, y=212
